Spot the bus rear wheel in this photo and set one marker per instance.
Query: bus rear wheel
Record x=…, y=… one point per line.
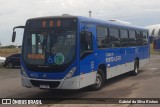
x=136, y=69
x=99, y=80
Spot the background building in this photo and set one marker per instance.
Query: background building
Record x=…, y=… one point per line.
x=154, y=32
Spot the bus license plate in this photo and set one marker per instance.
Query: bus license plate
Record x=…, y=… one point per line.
x=44, y=86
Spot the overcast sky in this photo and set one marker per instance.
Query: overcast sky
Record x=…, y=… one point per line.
x=16, y=12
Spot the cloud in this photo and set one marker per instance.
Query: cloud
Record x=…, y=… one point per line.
x=16, y=12
x=6, y=13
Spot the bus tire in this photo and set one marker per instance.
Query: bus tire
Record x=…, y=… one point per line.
x=136, y=69
x=99, y=80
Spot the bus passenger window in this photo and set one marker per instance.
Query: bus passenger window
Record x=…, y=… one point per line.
x=124, y=37
x=145, y=38
x=102, y=37
x=114, y=37
x=132, y=38
x=139, y=38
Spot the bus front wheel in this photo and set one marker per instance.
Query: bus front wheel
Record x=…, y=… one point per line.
x=99, y=80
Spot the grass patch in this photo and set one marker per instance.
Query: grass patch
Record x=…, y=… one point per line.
x=7, y=52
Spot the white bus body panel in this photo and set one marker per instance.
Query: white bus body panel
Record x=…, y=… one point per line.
x=124, y=68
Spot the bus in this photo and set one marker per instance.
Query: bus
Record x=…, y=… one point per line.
x=72, y=52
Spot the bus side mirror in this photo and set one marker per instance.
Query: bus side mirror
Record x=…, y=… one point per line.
x=13, y=36
x=14, y=33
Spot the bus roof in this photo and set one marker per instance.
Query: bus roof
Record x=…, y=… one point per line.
x=95, y=21
x=110, y=23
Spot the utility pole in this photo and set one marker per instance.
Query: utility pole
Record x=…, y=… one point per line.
x=0, y=44
x=90, y=14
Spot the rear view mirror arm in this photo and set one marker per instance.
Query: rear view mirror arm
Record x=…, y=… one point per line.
x=14, y=33
x=18, y=27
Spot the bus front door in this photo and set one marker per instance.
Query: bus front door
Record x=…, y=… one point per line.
x=87, y=72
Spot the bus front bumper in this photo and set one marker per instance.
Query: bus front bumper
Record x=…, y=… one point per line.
x=72, y=83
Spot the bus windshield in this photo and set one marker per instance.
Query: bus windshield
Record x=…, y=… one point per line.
x=49, y=47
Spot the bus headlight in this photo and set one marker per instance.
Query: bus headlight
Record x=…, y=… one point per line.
x=70, y=73
x=23, y=72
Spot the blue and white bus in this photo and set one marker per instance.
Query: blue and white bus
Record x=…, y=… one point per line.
x=72, y=52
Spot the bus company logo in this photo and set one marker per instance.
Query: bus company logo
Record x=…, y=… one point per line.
x=6, y=101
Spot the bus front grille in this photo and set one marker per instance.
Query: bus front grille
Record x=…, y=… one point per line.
x=52, y=84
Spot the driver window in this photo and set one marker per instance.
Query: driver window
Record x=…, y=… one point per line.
x=86, y=42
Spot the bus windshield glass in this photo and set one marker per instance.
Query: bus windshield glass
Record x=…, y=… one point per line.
x=49, y=47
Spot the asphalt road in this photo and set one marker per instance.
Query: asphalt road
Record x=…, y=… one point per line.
x=145, y=85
